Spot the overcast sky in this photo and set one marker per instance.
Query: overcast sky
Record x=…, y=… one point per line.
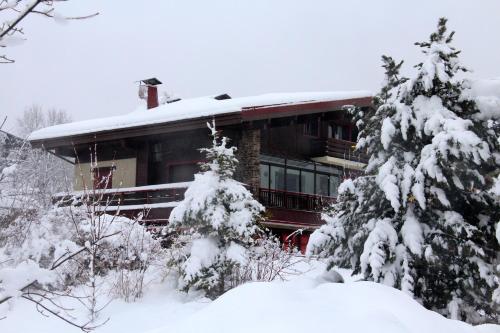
x=238, y=47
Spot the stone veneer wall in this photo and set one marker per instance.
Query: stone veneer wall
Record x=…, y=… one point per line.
x=248, y=154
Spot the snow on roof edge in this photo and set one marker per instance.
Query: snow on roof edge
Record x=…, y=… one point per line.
x=188, y=109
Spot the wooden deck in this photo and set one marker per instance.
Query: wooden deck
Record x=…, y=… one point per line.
x=293, y=200
x=154, y=201
x=289, y=210
x=345, y=150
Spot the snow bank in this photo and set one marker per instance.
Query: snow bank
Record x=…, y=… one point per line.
x=189, y=109
x=307, y=306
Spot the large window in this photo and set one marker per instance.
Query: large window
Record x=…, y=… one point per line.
x=293, y=180
x=277, y=179
x=334, y=185
x=264, y=175
x=322, y=184
x=299, y=176
x=307, y=178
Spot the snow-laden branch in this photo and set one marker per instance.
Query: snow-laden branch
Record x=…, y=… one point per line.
x=10, y=28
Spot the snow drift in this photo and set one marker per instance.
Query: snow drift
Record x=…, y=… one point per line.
x=306, y=305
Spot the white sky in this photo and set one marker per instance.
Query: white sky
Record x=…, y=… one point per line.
x=240, y=47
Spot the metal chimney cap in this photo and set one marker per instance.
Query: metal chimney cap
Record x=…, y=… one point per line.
x=222, y=97
x=151, y=82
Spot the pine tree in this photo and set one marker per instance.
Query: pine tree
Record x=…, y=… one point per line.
x=422, y=217
x=216, y=222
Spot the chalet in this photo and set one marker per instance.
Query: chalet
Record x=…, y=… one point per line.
x=294, y=149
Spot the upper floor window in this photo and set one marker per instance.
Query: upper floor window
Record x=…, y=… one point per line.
x=343, y=132
x=311, y=127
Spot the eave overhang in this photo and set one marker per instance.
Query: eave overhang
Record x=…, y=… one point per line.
x=248, y=114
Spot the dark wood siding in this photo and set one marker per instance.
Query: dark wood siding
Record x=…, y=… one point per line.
x=290, y=138
x=142, y=169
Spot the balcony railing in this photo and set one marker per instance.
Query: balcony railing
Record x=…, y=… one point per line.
x=156, y=201
x=293, y=200
x=345, y=150
x=130, y=198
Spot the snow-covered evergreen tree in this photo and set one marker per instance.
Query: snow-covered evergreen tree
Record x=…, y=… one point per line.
x=216, y=221
x=422, y=218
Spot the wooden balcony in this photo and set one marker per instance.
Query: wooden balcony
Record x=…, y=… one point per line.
x=344, y=150
x=293, y=200
x=286, y=209
x=156, y=201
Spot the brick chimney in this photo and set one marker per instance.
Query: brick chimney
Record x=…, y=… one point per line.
x=152, y=92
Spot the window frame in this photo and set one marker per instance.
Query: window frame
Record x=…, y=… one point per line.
x=285, y=167
x=306, y=129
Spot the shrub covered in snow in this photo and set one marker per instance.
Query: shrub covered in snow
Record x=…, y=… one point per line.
x=76, y=254
x=216, y=222
x=422, y=219
x=267, y=261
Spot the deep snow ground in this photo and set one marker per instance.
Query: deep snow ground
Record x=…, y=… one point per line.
x=306, y=303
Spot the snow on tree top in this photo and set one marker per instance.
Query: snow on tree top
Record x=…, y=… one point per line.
x=486, y=87
x=486, y=93
x=190, y=109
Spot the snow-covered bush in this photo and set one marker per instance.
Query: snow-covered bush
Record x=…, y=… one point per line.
x=422, y=218
x=267, y=261
x=140, y=260
x=29, y=178
x=216, y=223
x=77, y=254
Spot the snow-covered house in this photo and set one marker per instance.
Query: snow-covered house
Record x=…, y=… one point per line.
x=293, y=148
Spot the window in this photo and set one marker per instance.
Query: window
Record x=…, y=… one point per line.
x=293, y=180
x=182, y=172
x=335, y=131
x=103, y=177
x=264, y=176
x=299, y=176
x=342, y=132
x=277, y=179
x=311, y=127
x=322, y=184
x=334, y=185
x=307, y=182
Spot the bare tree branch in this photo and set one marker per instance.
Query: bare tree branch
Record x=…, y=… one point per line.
x=23, y=14
x=84, y=327
x=9, y=28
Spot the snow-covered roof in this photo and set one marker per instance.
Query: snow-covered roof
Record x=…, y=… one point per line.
x=189, y=109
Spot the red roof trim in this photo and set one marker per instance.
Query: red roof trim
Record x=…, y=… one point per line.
x=284, y=110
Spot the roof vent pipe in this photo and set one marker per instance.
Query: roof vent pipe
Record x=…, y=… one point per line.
x=148, y=90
